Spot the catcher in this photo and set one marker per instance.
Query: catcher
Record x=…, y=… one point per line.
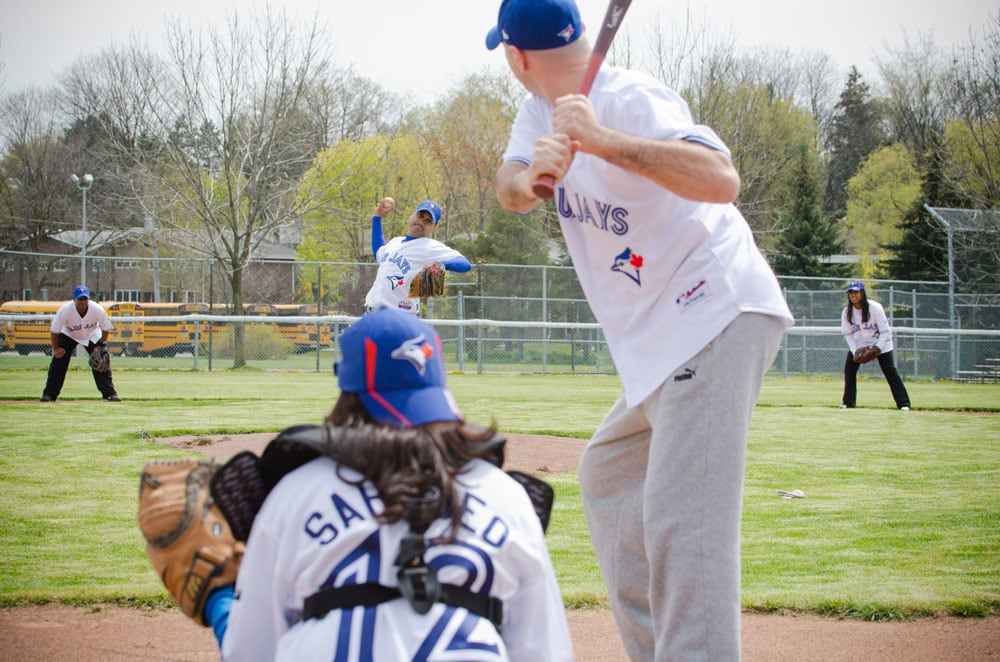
x=388, y=533
x=866, y=328
x=79, y=322
x=410, y=268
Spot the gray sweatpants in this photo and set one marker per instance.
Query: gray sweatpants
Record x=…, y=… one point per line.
x=662, y=491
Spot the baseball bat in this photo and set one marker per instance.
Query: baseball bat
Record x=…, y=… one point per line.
x=544, y=187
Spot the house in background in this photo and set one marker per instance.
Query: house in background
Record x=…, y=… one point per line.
x=142, y=265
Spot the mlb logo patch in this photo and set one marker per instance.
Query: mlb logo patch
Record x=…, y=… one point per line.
x=696, y=293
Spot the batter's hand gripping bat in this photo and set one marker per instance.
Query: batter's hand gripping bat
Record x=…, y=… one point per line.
x=545, y=186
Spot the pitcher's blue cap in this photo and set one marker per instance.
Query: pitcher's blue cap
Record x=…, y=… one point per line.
x=536, y=25
x=393, y=360
x=856, y=286
x=432, y=208
x=80, y=292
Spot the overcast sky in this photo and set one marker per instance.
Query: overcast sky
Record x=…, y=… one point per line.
x=422, y=47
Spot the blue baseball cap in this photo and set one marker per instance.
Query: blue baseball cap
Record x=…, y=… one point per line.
x=856, y=286
x=80, y=292
x=432, y=208
x=393, y=360
x=536, y=25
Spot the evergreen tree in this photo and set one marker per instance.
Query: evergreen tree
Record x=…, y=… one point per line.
x=922, y=252
x=856, y=131
x=806, y=234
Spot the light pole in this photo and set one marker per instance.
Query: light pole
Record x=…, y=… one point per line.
x=84, y=185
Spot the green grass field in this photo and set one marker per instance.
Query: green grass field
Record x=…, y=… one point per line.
x=901, y=516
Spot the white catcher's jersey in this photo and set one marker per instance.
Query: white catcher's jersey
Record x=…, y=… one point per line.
x=663, y=275
x=315, y=530
x=875, y=331
x=84, y=330
x=399, y=261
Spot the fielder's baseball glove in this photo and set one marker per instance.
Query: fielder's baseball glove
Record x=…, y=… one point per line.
x=866, y=354
x=429, y=282
x=188, y=540
x=100, y=359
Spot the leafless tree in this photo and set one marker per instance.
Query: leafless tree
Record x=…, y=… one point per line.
x=216, y=132
x=36, y=195
x=974, y=93
x=914, y=76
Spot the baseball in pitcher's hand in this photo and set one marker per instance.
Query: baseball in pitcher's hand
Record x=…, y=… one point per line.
x=385, y=206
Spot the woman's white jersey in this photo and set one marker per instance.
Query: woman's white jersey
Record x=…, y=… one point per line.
x=315, y=530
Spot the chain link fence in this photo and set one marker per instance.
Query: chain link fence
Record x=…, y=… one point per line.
x=498, y=318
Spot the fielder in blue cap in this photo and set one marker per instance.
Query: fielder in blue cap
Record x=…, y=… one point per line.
x=866, y=329
x=79, y=322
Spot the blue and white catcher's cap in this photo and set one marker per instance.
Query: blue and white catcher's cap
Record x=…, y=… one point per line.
x=81, y=291
x=856, y=286
x=393, y=361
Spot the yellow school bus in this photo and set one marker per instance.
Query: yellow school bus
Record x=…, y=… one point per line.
x=304, y=336
x=28, y=335
x=171, y=337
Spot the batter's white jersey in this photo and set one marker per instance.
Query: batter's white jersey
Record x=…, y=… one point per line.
x=316, y=530
x=399, y=261
x=875, y=331
x=84, y=330
x=663, y=275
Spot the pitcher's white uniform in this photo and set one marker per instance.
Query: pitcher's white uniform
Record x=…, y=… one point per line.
x=316, y=530
x=399, y=261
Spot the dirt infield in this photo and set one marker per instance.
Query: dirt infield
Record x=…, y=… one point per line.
x=118, y=633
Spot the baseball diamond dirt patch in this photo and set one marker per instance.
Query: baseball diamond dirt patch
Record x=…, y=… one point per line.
x=55, y=632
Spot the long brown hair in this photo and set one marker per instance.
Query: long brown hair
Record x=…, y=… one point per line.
x=849, y=311
x=407, y=465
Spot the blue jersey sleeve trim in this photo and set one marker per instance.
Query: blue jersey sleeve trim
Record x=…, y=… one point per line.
x=217, y=608
x=378, y=237
x=458, y=264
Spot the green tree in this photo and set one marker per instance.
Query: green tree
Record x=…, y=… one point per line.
x=806, y=235
x=857, y=131
x=344, y=183
x=465, y=134
x=885, y=186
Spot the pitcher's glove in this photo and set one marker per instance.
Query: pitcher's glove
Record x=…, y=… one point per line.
x=189, y=542
x=100, y=359
x=429, y=282
x=866, y=354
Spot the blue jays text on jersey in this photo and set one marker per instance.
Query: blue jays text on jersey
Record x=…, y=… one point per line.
x=602, y=215
x=400, y=261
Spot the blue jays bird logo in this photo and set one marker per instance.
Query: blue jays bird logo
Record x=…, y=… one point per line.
x=566, y=33
x=628, y=263
x=395, y=281
x=415, y=350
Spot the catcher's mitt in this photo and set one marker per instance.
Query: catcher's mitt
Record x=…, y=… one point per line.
x=188, y=540
x=429, y=282
x=100, y=359
x=866, y=354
